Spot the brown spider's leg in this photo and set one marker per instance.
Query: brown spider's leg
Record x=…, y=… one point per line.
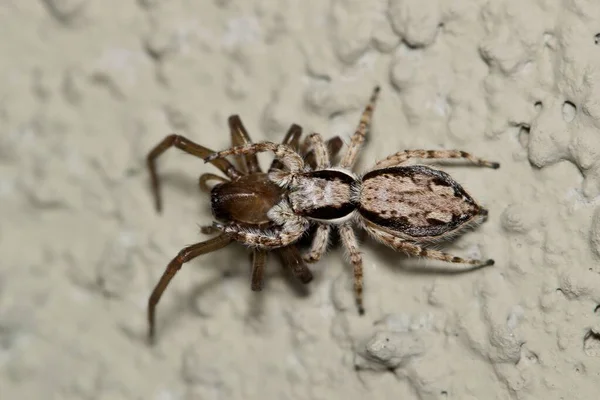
x=359, y=136
x=259, y=259
x=205, y=178
x=305, y=146
x=184, y=256
x=290, y=159
x=334, y=145
x=292, y=139
x=289, y=228
x=415, y=250
x=350, y=243
x=265, y=239
x=290, y=257
x=403, y=156
x=189, y=147
x=319, y=149
x=319, y=244
x=239, y=137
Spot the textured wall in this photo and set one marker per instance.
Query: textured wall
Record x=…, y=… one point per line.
x=88, y=87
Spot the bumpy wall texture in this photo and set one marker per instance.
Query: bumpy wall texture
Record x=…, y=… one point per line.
x=88, y=87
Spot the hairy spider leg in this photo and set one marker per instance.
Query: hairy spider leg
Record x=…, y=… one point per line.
x=290, y=227
x=185, y=255
x=351, y=245
x=189, y=147
x=319, y=244
x=205, y=178
x=402, y=156
x=318, y=146
x=359, y=135
x=291, y=160
x=240, y=137
x=413, y=249
x=334, y=145
x=292, y=139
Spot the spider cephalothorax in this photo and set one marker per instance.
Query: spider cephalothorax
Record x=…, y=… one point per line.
x=401, y=206
x=243, y=199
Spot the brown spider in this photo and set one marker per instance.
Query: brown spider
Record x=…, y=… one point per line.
x=243, y=200
x=403, y=207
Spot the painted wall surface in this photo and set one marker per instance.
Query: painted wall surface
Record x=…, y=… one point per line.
x=87, y=88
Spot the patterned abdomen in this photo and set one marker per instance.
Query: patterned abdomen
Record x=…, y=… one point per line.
x=417, y=201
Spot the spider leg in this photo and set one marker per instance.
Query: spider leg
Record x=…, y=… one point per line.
x=403, y=156
x=185, y=255
x=334, y=145
x=189, y=147
x=290, y=159
x=292, y=139
x=259, y=259
x=359, y=135
x=319, y=244
x=205, y=178
x=413, y=249
x=279, y=236
x=320, y=150
x=239, y=137
x=350, y=243
x=290, y=257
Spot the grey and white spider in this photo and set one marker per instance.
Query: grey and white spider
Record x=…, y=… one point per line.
x=404, y=207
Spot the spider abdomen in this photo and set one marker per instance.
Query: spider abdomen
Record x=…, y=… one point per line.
x=417, y=201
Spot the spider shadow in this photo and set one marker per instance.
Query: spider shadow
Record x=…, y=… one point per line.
x=239, y=261
x=186, y=302
x=182, y=183
x=166, y=319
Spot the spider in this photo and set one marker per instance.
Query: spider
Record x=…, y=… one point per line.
x=243, y=199
x=404, y=207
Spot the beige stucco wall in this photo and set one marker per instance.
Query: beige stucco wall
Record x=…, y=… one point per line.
x=88, y=87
